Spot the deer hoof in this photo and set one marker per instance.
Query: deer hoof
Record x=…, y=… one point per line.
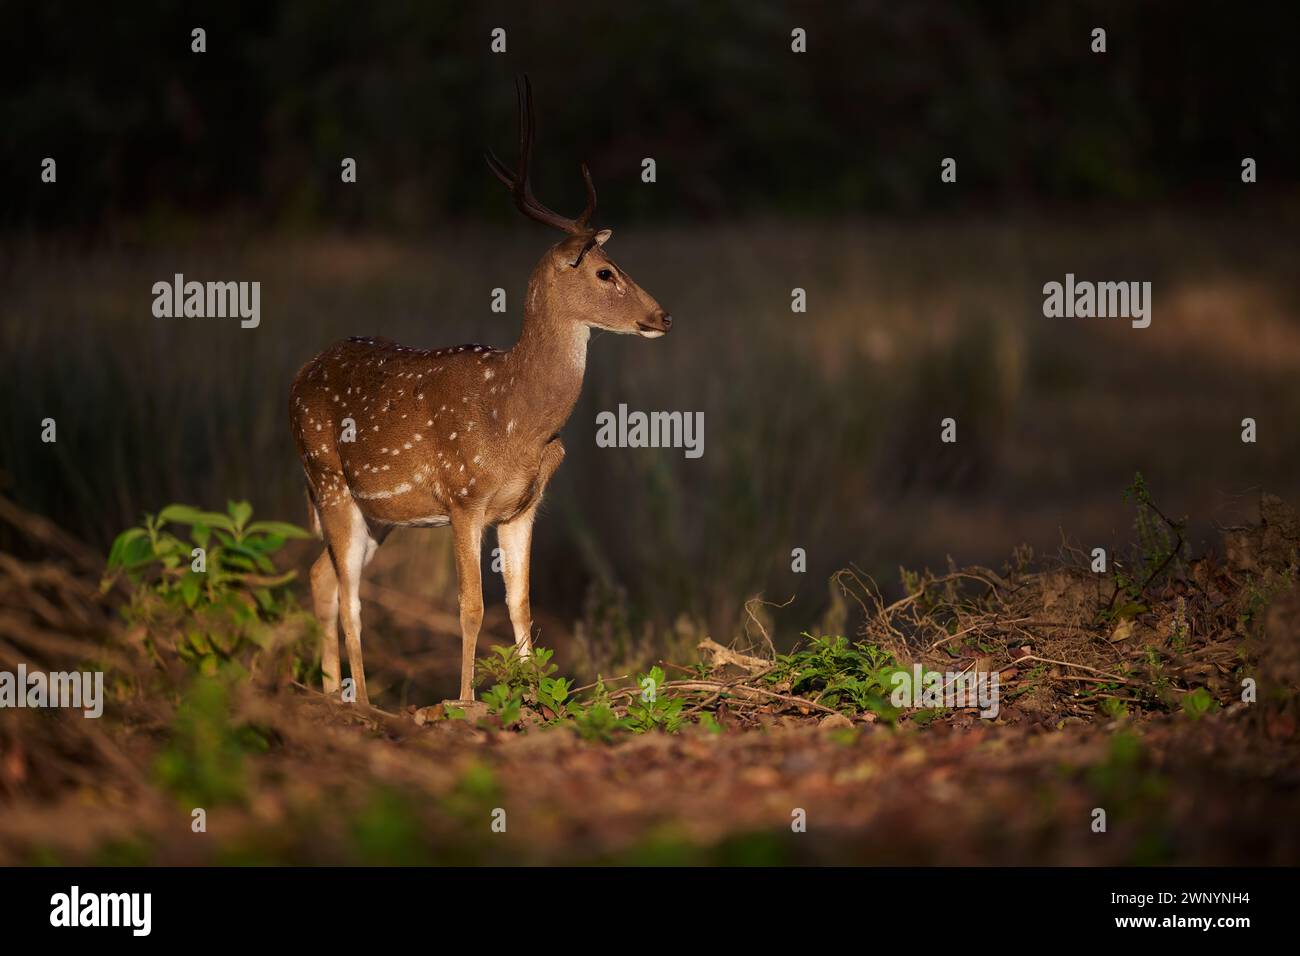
x=472, y=709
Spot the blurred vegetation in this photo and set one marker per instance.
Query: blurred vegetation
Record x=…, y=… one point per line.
x=203, y=762
x=145, y=129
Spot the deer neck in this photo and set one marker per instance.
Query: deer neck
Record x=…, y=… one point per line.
x=546, y=365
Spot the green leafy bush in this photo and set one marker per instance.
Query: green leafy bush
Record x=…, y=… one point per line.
x=504, y=665
x=650, y=710
x=506, y=703
x=597, y=721
x=851, y=677
x=213, y=596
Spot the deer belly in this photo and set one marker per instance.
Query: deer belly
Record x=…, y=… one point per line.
x=402, y=504
x=427, y=521
x=408, y=514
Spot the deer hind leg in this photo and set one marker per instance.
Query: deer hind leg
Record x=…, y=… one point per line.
x=467, y=530
x=325, y=601
x=351, y=546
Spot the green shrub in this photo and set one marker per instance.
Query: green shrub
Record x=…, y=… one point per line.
x=213, y=597
x=851, y=677
x=650, y=710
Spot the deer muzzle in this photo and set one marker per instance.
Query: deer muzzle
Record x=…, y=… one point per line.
x=658, y=324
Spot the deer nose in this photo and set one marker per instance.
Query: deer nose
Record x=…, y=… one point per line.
x=667, y=321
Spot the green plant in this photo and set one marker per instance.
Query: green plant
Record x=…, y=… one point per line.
x=531, y=681
x=214, y=595
x=1114, y=708
x=709, y=722
x=1159, y=540
x=1180, y=629
x=651, y=710
x=504, y=702
x=505, y=666
x=924, y=717
x=1156, y=672
x=1259, y=592
x=597, y=721
x=850, y=677
x=526, y=679
x=553, y=693
x=1198, y=703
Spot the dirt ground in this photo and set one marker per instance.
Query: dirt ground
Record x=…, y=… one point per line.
x=1180, y=769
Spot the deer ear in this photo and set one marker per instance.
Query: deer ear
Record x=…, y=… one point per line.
x=602, y=237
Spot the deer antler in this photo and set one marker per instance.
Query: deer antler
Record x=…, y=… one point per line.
x=518, y=184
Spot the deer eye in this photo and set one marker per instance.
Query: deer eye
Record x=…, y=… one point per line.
x=604, y=275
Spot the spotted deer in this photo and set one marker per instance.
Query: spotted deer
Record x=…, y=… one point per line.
x=390, y=435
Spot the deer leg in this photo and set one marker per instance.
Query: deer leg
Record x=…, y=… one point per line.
x=351, y=546
x=516, y=540
x=467, y=529
x=325, y=601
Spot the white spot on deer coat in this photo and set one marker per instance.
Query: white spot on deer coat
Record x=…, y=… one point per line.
x=401, y=489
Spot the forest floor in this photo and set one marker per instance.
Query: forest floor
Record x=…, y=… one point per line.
x=1147, y=715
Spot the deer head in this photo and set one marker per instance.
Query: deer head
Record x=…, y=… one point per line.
x=576, y=281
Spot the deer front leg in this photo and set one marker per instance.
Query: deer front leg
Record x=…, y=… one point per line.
x=516, y=540
x=467, y=530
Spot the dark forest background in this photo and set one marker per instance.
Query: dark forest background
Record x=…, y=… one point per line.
x=741, y=126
